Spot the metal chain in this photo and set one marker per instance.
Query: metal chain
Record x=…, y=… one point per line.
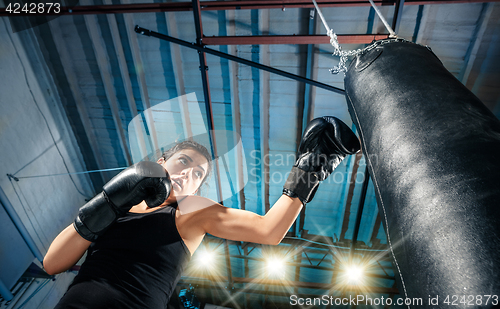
x=383, y=42
x=343, y=59
x=341, y=67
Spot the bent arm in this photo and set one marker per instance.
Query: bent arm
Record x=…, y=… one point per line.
x=241, y=225
x=65, y=251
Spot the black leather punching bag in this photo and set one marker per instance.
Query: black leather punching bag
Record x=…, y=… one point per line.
x=433, y=152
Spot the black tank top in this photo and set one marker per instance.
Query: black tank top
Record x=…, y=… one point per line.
x=135, y=264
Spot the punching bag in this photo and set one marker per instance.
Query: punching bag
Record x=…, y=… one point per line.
x=433, y=152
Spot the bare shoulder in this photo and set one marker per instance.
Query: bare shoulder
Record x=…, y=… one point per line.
x=193, y=203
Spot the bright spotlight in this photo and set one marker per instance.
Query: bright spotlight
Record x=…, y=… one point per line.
x=275, y=267
x=206, y=258
x=354, y=274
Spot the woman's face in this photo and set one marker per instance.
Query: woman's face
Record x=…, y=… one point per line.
x=187, y=169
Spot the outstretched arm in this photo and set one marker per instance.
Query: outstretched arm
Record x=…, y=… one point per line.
x=325, y=143
x=241, y=225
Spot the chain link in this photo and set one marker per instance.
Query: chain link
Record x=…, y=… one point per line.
x=343, y=60
x=341, y=67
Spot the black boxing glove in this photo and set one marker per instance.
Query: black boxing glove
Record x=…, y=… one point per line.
x=325, y=143
x=144, y=181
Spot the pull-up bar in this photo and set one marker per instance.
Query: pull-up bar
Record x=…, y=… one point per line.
x=201, y=48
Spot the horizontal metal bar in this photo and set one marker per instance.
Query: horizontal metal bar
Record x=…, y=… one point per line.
x=223, y=5
x=237, y=59
x=206, y=286
x=5, y=292
x=291, y=39
x=298, y=284
x=16, y=178
x=282, y=4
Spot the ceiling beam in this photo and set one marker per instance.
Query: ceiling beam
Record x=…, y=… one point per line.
x=292, y=39
x=104, y=66
x=307, y=112
x=422, y=33
x=299, y=284
x=317, y=267
x=350, y=195
x=361, y=205
x=113, y=26
x=211, y=126
x=376, y=227
x=200, y=284
x=302, y=246
x=235, y=111
x=477, y=39
x=298, y=260
x=207, y=95
x=64, y=56
x=176, y=56
x=308, y=104
x=141, y=80
x=391, y=295
x=237, y=59
x=227, y=5
x=264, y=102
x=33, y=43
x=398, y=13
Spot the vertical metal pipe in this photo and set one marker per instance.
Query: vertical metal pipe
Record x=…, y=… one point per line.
x=398, y=13
x=361, y=206
x=208, y=105
x=5, y=292
x=206, y=93
x=19, y=225
x=309, y=67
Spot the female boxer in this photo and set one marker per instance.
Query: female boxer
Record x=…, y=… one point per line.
x=140, y=232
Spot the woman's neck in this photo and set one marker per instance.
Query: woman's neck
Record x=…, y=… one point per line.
x=142, y=208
